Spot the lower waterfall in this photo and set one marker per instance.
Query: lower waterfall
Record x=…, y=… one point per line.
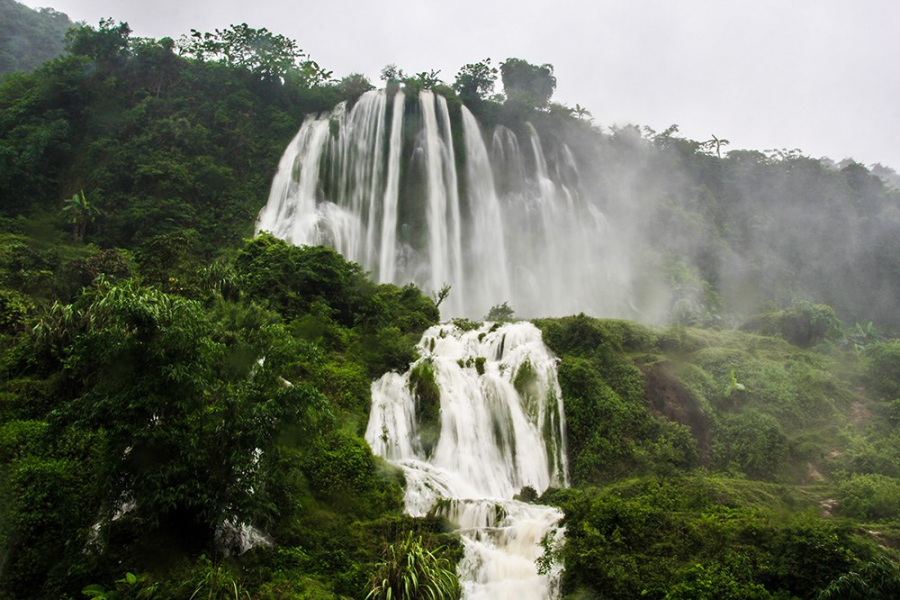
x=475, y=419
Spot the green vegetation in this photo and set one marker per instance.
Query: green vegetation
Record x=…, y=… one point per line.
x=501, y=313
x=701, y=537
x=138, y=425
x=29, y=37
x=166, y=383
x=427, y=397
x=412, y=571
x=527, y=84
x=803, y=324
x=720, y=464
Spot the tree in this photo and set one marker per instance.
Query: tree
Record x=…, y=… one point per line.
x=500, y=313
x=424, y=80
x=582, y=113
x=106, y=45
x=392, y=73
x=188, y=407
x=355, y=85
x=80, y=212
x=527, y=84
x=715, y=143
x=270, y=56
x=441, y=295
x=29, y=37
x=475, y=81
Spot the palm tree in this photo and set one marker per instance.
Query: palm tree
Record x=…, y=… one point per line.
x=582, y=113
x=715, y=143
x=81, y=213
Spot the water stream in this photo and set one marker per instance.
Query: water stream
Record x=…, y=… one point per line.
x=498, y=426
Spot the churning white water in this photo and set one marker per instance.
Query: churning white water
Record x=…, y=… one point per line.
x=478, y=417
x=413, y=191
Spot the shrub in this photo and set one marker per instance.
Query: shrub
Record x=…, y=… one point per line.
x=752, y=443
x=804, y=324
x=342, y=470
x=870, y=497
x=411, y=571
x=882, y=368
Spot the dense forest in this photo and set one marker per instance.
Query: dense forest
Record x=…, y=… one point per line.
x=29, y=37
x=182, y=405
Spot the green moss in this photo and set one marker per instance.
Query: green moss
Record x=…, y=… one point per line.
x=524, y=378
x=525, y=382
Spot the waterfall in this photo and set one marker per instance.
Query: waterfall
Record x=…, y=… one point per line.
x=488, y=250
x=476, y=418
x=387, y=255
x=409, y=189
x=443, y=198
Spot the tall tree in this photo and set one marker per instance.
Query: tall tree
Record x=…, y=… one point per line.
x=527, y=84
x=475, y=81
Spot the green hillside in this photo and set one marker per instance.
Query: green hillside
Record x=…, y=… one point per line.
x=29, y=38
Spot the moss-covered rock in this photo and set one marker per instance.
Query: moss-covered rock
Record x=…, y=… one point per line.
x=427, y=396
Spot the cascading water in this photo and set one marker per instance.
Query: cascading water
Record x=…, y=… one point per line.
x=384, y=184
x=478, y=417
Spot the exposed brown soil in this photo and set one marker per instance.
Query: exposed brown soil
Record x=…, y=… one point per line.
x=812, y=474
x=668, y=398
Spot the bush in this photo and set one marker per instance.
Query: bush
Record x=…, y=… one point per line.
x=804, y=324
x=871, y=497
x=876, y=580
x=342, y=470
x=500, y=313
x=714, y=582
x=751, y=443
x=412, y=571
x=15, y=308
x=881, y=366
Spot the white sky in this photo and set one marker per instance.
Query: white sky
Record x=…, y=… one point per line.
x=819, y=75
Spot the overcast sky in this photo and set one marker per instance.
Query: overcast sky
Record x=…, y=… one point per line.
x=819, y=75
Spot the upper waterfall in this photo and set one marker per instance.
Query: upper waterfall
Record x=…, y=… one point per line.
x=408, y=187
